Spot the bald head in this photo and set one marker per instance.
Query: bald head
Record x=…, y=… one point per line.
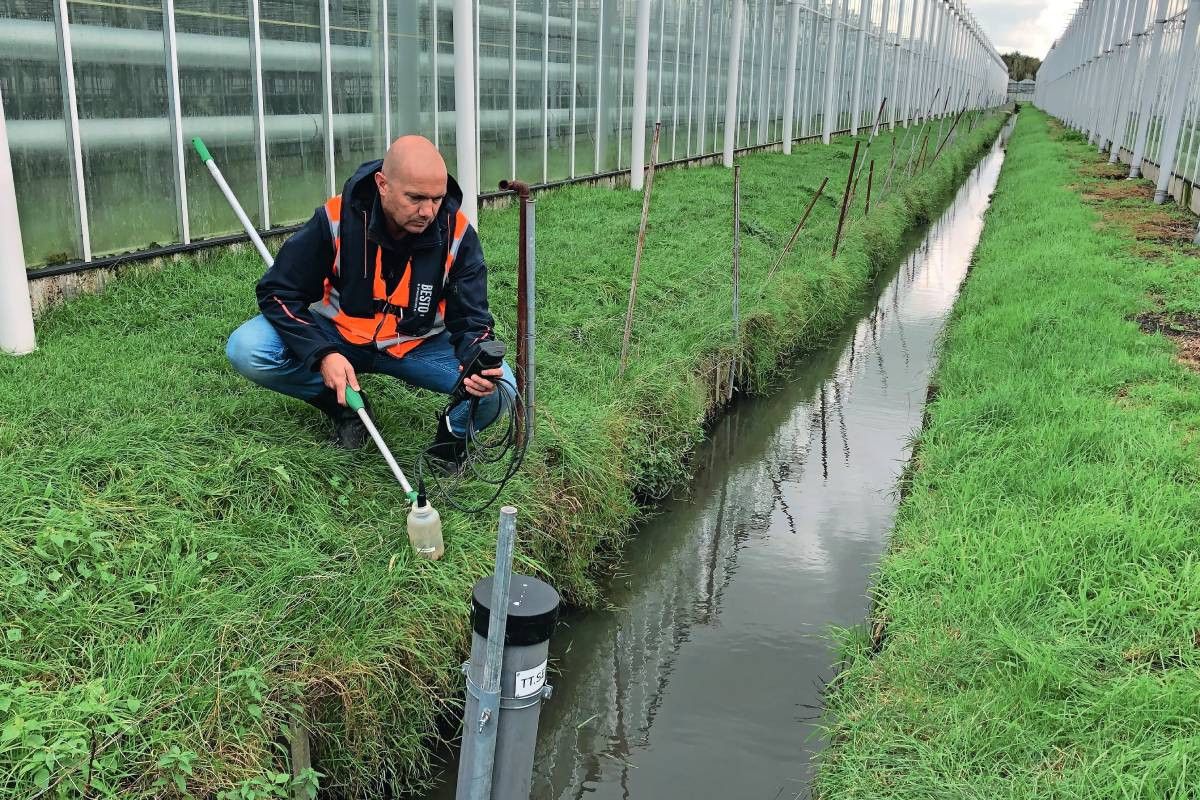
x=412, y=184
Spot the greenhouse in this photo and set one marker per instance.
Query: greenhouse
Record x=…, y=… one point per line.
x=653, y=399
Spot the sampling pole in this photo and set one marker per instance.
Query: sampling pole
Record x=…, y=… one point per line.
x=512, y=618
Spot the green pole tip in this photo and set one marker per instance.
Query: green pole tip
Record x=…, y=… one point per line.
x=412, y=497
x=198, y=143
x=354, y=400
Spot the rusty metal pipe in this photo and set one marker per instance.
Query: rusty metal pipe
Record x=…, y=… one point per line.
x=526, y=261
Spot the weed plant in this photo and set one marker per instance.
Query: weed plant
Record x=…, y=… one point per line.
x=186, y=566
x=1038, y=611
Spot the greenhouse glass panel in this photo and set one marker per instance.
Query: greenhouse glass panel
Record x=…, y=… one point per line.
x=496, y=64
x=357, y=66
x=30, y=83
x=121, y=94
x=558, y=105
x=216, y=87
x=291, y=38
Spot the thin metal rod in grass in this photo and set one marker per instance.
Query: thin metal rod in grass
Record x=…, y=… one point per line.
x=870, y=141
x=737, y=275
x=787, y=248
x=641, y=246
x=891, y=166
x=954, y=125
x=837, y=239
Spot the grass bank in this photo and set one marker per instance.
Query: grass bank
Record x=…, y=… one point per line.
x=1038, y=611
x=185, y=564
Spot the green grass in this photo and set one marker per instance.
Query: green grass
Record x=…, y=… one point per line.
x=185, y=564
x=1040, y=600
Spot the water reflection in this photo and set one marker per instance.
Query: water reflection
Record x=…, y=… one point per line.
x=702, y=680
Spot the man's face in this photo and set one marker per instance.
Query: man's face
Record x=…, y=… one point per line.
x=411, y=199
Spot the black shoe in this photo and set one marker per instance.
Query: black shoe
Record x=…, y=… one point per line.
x=349, y=433
x=448, y=453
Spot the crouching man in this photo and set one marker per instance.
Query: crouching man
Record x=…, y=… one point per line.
x=389, y=277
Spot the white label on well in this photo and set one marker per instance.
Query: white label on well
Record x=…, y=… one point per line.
x=531, y=681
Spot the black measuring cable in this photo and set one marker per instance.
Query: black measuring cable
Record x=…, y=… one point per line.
x=498, y=447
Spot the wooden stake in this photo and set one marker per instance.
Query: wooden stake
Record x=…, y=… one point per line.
x=641, y=246
x=837, y=239
x=870, y=180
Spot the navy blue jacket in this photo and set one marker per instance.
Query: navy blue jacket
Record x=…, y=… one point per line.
x=305, y=261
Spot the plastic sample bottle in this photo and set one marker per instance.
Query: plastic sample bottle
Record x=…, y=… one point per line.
x=425, y=529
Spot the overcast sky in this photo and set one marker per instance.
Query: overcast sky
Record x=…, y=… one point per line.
x=1026, y=25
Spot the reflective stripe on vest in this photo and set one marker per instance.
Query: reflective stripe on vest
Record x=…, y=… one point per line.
x=381, y=330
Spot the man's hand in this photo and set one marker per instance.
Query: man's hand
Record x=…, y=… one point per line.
x=479, y=385
x=338, y=374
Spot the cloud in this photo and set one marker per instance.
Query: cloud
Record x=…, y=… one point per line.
x=1030, y=26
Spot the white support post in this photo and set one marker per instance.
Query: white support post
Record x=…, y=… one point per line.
x=464, y=104
x=327, y=100
x=881, y=57
x=574, y=82
x=896, y=103
x=260, y=126
x=1177, y=102
x=1149, y=89
x=16, y=312
x=1132, y=52
x=789, y=86
x=675, y=83
x=66, y=67
x=385, y=74
x=434, y=57
x=545, y=92
x=175, y=117
x=512, y=89
x=860, y=51
x=827, y=118
x=641, y=59
x=731, y=84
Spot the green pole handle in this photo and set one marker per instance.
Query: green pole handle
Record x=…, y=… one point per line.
x=354, y=400
x=198, y=143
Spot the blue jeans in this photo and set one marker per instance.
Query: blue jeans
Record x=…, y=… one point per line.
x=257, y=352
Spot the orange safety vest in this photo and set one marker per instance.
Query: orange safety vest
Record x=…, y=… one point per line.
x=381, y=330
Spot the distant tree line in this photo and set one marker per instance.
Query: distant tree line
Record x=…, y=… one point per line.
x=1021, y=66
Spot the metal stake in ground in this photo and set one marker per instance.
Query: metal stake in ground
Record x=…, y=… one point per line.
x=787, y=248
x=641, y=245
x=737, y=251
x=837, y=239
x=526, y=268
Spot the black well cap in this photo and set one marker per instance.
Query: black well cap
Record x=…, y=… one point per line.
x=532, y=610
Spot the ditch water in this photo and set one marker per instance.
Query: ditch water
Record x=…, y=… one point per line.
x=704, y=680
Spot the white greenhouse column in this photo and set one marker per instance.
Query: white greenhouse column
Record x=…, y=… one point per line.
x=789, y=84
x=830, y=75
x=641, y=57
x=1177, y=102
x=731, y=93
x=881, y=57
x=327, y=100
x=464, y=103
x=1149, y=89
x=16, y=313
x=897, y=105
x=860, y=51
x=1132, y=52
